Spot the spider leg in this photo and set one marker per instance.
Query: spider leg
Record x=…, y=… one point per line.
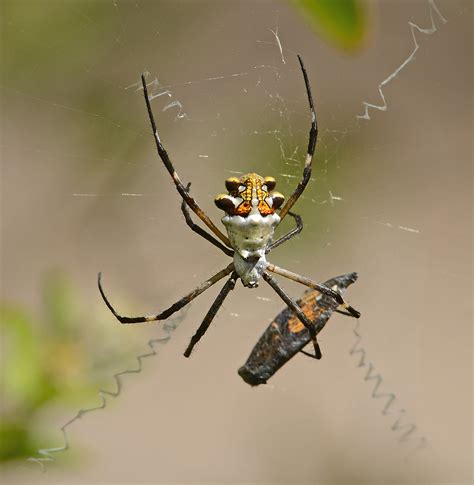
x=297, y=310
x=174, y=175
x=347, y=314
x=313, y=135
x=173, y=308
x=211, y=313
x=315, y=286
x=290, y=234
x=199, y=230
x=308, y=354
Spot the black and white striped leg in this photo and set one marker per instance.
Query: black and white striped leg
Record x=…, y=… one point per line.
x=173, y=308
x=174, y=175
x=313, y=136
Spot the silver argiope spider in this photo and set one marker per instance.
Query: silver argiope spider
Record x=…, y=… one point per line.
x=250, y=220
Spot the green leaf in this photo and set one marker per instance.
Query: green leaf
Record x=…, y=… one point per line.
x=59, y=360
x=22, y=374
x=340, y=22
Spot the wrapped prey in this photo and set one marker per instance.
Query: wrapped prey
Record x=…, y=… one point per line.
x=286, y=335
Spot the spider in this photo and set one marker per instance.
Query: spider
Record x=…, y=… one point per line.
x=253, y=210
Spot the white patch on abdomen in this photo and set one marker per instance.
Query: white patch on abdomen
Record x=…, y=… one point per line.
x=251, y=235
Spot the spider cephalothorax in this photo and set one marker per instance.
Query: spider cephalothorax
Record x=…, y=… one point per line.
x=250, y=220
x=249, y=194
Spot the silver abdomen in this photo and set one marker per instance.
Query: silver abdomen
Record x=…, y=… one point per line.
x=250, y=237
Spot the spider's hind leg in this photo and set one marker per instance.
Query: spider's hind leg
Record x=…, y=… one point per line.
x=298, y=312
x=348, y=309
x=229, y=286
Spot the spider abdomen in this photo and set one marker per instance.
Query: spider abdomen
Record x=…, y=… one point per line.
x=249, y=237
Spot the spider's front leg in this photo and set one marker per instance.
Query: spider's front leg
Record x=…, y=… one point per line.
x=313, y=136
x=199, y=230
x=163, y=154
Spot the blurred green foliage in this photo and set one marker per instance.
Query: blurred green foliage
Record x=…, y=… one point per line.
x=341, y=22
x=59, y=361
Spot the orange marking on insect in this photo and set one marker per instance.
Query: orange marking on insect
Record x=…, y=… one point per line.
x=276, y=338
x=309, y=307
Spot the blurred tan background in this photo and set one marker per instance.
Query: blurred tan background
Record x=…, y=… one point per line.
x=390, y=198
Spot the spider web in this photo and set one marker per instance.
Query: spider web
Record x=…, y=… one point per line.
x=229, y=98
